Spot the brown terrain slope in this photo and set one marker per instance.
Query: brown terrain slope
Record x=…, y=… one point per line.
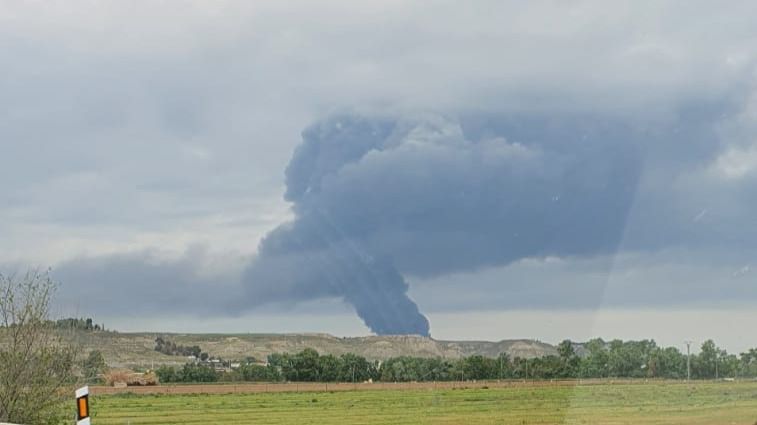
x=137, y=349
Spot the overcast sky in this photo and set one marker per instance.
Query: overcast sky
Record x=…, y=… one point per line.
x=502, y=169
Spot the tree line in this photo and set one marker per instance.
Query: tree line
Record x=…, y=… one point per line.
x=594, y=359
x=77, y=323
x=170, y=348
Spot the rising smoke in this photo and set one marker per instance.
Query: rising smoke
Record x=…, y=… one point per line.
x=376, y=199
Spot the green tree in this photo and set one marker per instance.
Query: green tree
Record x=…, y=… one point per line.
x=36, y=361
x=748, y=363
x=479, y=367
x=729, y=365
x=630, y=359
x=356, y=368
x=521, y=368
x=259, y=373
x=706, y=360
x=565, y=349
x=504, y=366
x=305, y=364
x=193, y=372
x=571, y=363
x=667, y=363
x=329, y=368
x=547, y=367
x=397, y=369
x=168, y=374
x=93, y=366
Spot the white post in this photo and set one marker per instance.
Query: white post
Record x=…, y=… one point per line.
x=82, y=406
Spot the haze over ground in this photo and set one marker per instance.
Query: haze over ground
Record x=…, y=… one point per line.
x=559, y=170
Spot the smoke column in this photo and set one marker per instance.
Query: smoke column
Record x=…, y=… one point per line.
x=376, y=199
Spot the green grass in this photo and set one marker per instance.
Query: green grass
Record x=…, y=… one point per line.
x=698, y=403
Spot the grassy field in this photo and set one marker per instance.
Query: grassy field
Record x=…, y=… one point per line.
x=656, y=403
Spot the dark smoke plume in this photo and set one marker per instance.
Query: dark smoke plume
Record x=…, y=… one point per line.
x=316, y=256
x=312, y=259
x=375, y=199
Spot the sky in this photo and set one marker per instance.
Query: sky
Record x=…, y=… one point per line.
x=486, y=170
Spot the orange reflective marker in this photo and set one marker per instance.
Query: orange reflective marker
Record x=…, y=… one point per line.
x=82, y=406
x=83, y=413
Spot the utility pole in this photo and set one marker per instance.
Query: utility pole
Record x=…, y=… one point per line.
x=688, y=359
x=500, y=367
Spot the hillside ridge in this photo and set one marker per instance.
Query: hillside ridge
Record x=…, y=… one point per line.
x=136, y=349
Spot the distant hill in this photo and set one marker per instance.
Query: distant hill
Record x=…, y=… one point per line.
x=137, y=349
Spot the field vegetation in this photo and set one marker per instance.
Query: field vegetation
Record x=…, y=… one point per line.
x=600, y=359
x=607, y=404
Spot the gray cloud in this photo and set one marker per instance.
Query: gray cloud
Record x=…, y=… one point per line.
x=664, y=280
x=619, y=127
x=148, y=281
x=380, y=199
